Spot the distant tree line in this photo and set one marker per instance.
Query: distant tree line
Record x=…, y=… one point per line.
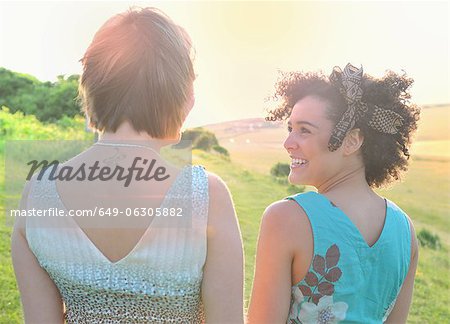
x=56, y=103
x=48, y=101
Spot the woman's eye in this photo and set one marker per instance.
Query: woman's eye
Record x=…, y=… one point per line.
x=301, y=130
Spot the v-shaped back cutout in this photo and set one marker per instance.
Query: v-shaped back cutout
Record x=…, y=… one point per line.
x=91, y=243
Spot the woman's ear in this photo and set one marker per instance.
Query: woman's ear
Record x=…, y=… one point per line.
x=353, y=141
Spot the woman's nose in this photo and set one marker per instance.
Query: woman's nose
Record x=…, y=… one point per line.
x=289, y=143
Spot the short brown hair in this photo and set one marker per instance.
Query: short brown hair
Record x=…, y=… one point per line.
x=138, y=68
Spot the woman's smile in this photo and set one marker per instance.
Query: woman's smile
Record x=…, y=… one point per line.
x=298, y=162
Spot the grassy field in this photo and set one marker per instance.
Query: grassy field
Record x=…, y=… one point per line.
x=426, y=204
x=423, y=194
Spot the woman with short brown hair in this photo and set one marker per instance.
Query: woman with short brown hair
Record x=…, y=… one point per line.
x=183, y=263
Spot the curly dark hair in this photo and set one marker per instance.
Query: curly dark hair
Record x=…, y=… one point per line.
x=385, y=156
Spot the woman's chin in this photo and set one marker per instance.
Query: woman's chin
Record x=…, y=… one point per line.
x=295, y=179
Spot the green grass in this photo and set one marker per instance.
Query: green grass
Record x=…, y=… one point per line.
x=252, y=193
x=425, y=201
x=423, y=194
x=10, y=311
x=431, y=289
x=425, y=182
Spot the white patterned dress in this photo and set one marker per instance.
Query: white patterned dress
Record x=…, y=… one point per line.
x=159, y=281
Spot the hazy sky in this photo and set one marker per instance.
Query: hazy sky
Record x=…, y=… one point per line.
x=240, y=46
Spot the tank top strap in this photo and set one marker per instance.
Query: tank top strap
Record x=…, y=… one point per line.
x=314, y=207
x=398, y=237
x=190, y=197
x=328, y=227
x=399, y=226
x=200, y=190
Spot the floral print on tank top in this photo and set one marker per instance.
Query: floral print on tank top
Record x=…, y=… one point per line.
x=312, y=299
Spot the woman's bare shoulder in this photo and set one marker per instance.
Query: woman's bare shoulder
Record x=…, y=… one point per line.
x=220, y=199
x=287, y=212
x=215, y=182
x=286, y=223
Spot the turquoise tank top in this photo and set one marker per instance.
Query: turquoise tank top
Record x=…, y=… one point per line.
x=348, y=281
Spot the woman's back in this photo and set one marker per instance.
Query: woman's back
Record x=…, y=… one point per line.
x=159, y=279
x=347, y=134
x=348, y=279
x=136, y=85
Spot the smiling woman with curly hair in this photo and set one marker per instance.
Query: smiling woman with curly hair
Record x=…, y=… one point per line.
x=343, y=253
x=385, y=155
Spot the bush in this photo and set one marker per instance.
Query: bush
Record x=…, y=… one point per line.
x=280, y=170
x=221, y=150
x=204, y=142
x=192, y=134
x=48, y=101
x=428, y=239
x=17, y=126
x=200, y=138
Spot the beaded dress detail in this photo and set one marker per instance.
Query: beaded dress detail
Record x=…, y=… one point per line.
x=158, y=281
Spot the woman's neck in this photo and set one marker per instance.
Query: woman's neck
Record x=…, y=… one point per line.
x=348, y=181
x=125, y=133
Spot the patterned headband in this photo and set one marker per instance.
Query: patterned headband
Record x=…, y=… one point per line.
x=349, y=84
